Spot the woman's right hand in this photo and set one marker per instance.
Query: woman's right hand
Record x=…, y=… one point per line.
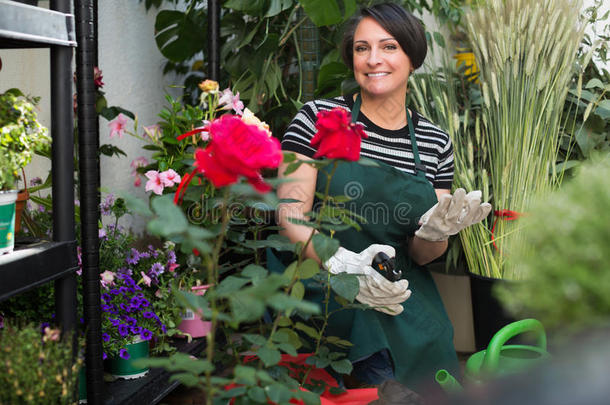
x=375, y=290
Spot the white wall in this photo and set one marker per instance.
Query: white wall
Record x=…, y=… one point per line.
x=132, y=69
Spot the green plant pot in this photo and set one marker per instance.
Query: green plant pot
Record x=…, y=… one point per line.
x=7, y=220
x=82, y=386
x=124, y=369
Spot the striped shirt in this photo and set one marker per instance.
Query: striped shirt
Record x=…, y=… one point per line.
x=392, y=147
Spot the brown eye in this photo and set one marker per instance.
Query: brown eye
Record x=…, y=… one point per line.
x=360, y=49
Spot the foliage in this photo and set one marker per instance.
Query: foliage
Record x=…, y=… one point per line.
x=526, y=65
x=587, y=110
x=267, y=53
x=21, y=135
x=564, y=256
x=37, y=368
x=238, y=299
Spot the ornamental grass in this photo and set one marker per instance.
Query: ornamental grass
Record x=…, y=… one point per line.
x=526, y=51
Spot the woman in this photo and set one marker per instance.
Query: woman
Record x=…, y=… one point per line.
x=403, y=339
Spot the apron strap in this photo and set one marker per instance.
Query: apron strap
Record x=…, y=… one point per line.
x=420, y=168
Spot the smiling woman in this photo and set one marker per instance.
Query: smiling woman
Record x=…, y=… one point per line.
x=407, y=336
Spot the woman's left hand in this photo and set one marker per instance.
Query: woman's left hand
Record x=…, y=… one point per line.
x=451, y=214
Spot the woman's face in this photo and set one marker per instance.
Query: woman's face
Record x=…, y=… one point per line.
x=381, y=67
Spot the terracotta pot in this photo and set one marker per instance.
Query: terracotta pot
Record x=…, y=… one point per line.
x=22, y=198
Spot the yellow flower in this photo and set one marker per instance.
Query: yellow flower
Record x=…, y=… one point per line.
x=209, y=86
x=466, y=58
x=249, y=118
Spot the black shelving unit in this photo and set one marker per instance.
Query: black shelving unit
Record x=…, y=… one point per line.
x=32, y=265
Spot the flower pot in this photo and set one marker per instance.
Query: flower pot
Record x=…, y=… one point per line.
x=82, y=386
x=192, y=322
x=22, y=198
x=487, y=312
x=124, y=368
x=7, y=220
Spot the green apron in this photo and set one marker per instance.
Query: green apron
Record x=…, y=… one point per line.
x=420, y=339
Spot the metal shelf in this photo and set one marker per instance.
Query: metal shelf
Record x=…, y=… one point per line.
x=152, y=388
x=24, y=26
x=35, y=264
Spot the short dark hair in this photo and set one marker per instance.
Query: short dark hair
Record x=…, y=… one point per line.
x=402, y=25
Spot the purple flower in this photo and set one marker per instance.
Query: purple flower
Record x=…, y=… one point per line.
x=148, y=314
x=163, y=329
x=123, y=330
x=41, y=208
x=114, y=322
x=146, y=334
x=131, y=321
x=43, y=326
x=124, y=354
x=133, y=257
x=124, y=290
x=101, y=233
x=144, y=255
x=106, y=205
x=135, y=330
x=171, y=257
x=105, y=337
x=124, y=307
x=144, y=303
x=1, y=321
x=104, y=356
x=106, y=308
x=156, y=269
x=106, y=297
x=34, y=181
x=114, y=292
x=124, y=271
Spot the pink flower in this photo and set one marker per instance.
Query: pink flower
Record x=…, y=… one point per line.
x=118, y=126
x=51, y=334
x=137, y=182
x=169, y=177
x=107, y=278
x=97, y=77
x=138, y=162
x=155, y=182
x=231, y=101
x=145, y=279
x=152, y=131
x=172, y=267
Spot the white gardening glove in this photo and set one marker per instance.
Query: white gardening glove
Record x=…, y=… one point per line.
x=375, y=289
x=451, y=214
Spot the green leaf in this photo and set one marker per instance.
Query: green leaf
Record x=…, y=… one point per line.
x=308, y=330
x=322, y=12
x=257, y=394
x=257, y=340
x=345, y=285
x=594, y=83
x=277, y=6
x=254, y=271
x=187, y=379
x=136, y=205
x=111, y=113
x=278, y=393
x=289, y=272
x=324, y=246
x=269, y=356
x=170, y=218
x=245, y=307
x=245, y=374
x=290, y=336
x=308, y=397
x=334, y=340
x=342, y=366
x=282, y=302
x=308, y=269
x=298, y=290
x=287, y=348
x=179, y=35
x=439, y=39
x=231, y=284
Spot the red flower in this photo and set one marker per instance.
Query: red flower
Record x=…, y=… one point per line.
x=237, y=149
x=337, y=136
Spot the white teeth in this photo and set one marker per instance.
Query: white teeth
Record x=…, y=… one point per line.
x=376, y=74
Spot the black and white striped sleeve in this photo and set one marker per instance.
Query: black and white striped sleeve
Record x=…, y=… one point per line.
x=301, y=130
x=444, y=173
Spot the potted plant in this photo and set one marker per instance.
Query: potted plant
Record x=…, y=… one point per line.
x=21, y=135
x=36, y=368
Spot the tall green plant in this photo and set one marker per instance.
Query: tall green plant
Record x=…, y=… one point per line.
x=525, y=50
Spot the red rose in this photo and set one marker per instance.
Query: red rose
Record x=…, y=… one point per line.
x=337, y=136
x=237, y=149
